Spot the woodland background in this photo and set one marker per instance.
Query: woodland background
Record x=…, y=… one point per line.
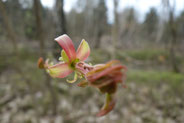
x=152, y=49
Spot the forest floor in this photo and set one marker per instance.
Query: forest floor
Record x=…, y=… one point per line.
x=154, y=94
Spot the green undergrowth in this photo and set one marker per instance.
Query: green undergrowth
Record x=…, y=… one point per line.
x=99, y=56
x=147, y=54
x=156, y=77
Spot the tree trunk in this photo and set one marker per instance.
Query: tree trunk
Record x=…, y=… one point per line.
x=62, y=24
x=98, y=38
x=37, y=10
x=100, y=22
x=62, y=16
x=173, y=42
x=11, y=34
x=115, y=29
x=40, y=34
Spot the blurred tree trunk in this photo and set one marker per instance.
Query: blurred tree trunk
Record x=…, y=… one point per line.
x=173, y=42
x=38, y=17
x=172, y=32
x=8, y=25
x=98, y=38
x=101, y=22
x=115, y=30
x=62, y=20
x=61, y=27
x=40, y=34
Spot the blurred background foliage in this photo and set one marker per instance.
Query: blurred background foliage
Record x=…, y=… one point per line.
x=152, y=48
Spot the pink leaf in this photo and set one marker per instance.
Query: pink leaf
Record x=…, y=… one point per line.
x=60, y=70
x=66, y=43
x=104, y=72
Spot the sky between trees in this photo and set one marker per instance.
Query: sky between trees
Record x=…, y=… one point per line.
x=142, y=6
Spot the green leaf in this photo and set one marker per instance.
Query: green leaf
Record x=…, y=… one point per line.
x=64, y=56
x=60, y=58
